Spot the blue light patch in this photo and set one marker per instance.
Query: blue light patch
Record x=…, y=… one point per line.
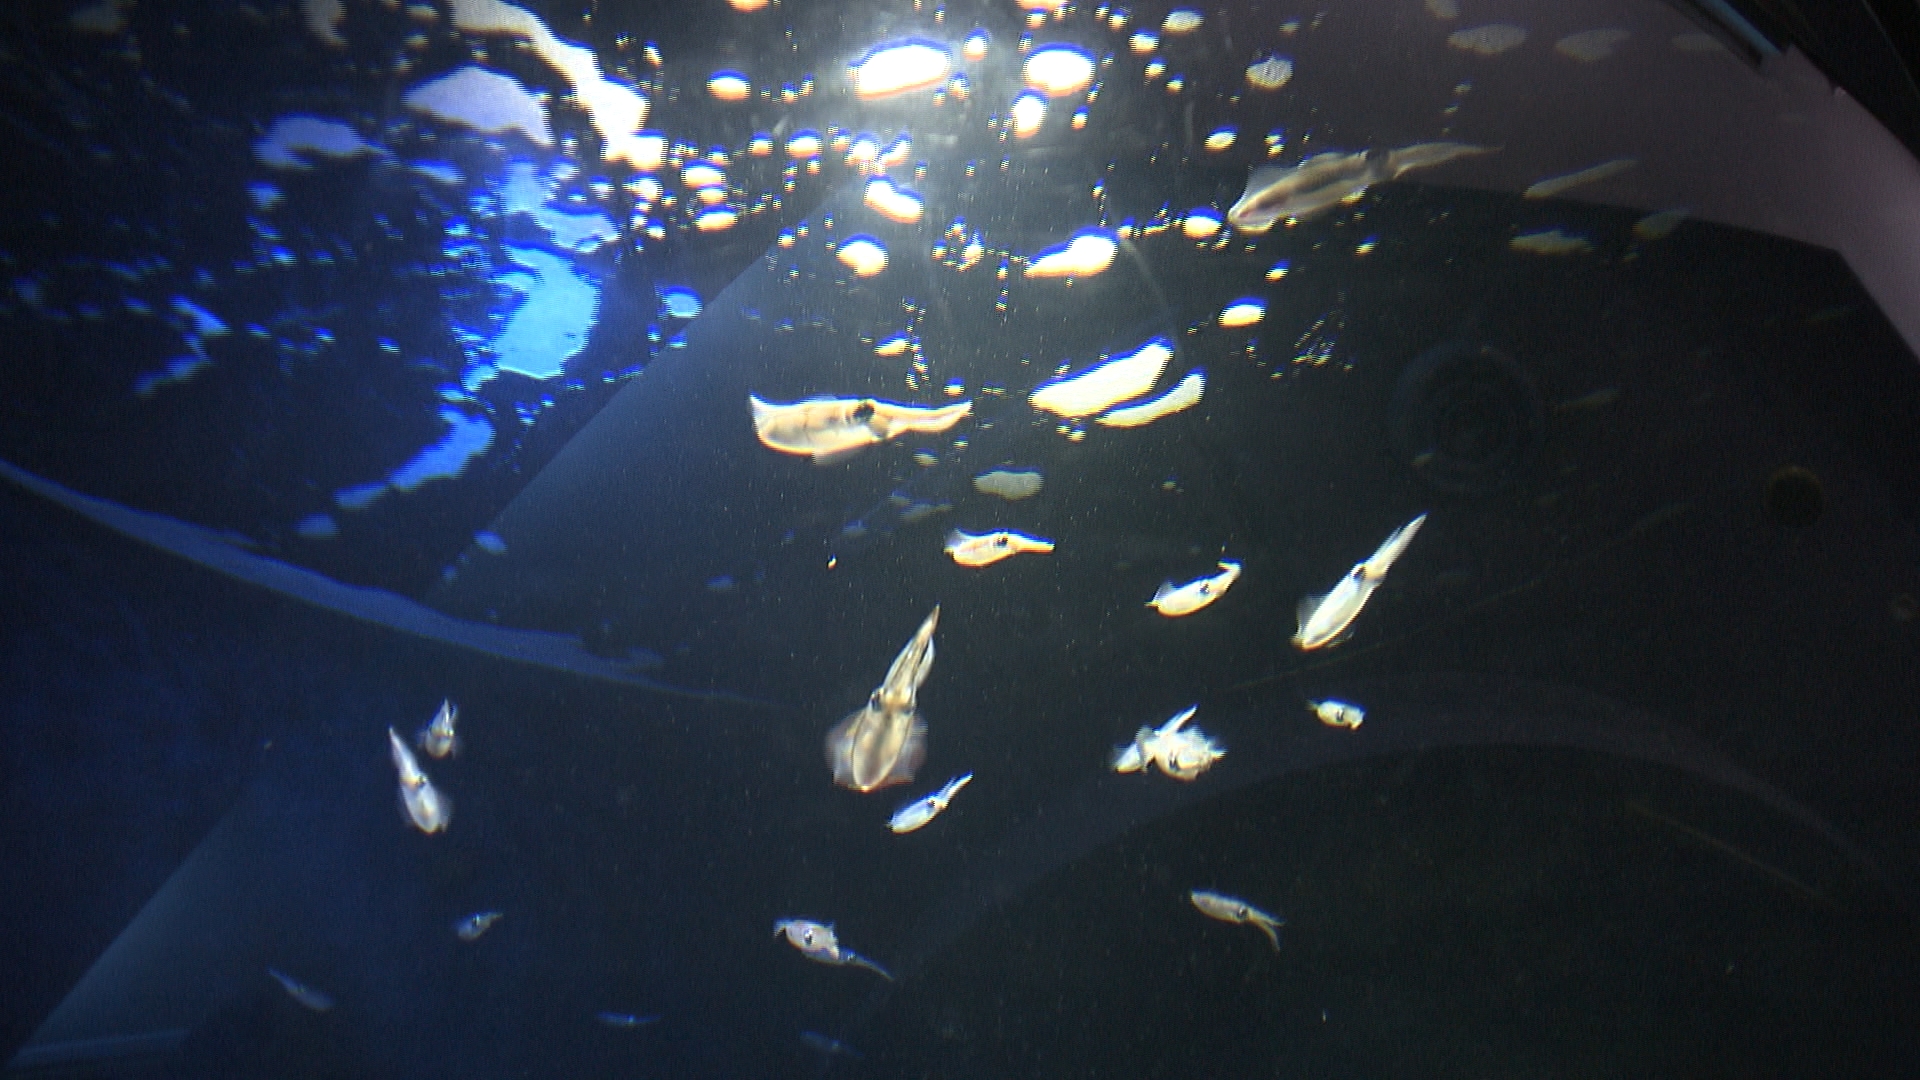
x=679, y=303
x=359, y=498
x=318, y=527
x=551, y=323
x=291, y=139
x=525, y=192
x=576, y=232
x=204, y=322
x=467, y=438
x=490, y=543
x=178, y=369
x=439, y=172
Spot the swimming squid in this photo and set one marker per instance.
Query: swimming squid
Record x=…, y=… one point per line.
x=306, y=995
x=1179, y=751
x=1232, y=909
x=818, y=942
x=1324, y=181
x=829, y=429
x=437, y=739
x=1174, y=600
x=1337, y=713
x=471, y=927
x=885, y=740
x=419, y=799
x=986, y=549
x=1324, y=619
x=922, y=810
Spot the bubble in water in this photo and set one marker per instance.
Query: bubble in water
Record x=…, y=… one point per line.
x=1243, y=313
x=1490, y=40
x=1059, y=70
x=864, y=255
x=898, y=68
x=1083, y=256
x=1029, y=110
x=1202, y=223
x=892, y=202
x=1269, y=73
x=1182, y=21
x=729, y=86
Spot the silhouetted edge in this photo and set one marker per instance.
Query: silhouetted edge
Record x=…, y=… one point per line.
x=203, y=547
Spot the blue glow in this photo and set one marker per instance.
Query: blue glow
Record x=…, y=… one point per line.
x=680, y=303
x=359, y=498
x=525, y=192
x=491, y=543
x=551, y=323
x=318, y=527
x=576, y=232
x=467, y=438
x=204, y=322
x=179, y=369
x=439, y=172
x=291, y=139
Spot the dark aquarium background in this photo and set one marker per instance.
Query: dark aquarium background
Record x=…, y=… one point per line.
x=360, y=355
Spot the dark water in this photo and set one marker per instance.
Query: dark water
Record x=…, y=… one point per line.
x=1633, y=795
